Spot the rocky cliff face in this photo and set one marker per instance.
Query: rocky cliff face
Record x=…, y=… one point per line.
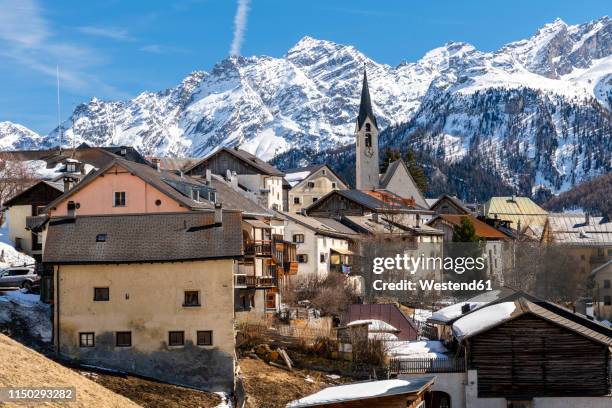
x=544, y=101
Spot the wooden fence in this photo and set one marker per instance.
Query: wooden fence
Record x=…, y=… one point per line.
x=424, y=365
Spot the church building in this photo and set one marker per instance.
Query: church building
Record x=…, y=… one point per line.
x=397, y=178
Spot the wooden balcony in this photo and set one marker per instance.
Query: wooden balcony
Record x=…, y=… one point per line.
x=246, y=278
x=258, y=248
x=291, y=268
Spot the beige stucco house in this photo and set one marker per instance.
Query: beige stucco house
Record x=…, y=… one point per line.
x=602, y=291
x=308, y=184
x=150, y=294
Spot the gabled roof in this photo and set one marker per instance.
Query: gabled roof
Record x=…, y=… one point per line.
x=297, y=175
x=515, y=209
x=365, y=105
x=501, y=310
x=388, y=313
x=364, y=199
x=173, y=163
x=322, y=226
x=157, y=179
x=59, y=187
x=388, y=176
x=133, y=238
x=454, y=200
x=246, y=157
x=363, y=391
x=234, y=200
x=482, y=229
x=572, y=229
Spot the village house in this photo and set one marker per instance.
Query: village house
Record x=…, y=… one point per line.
x=602, y=292
x=253, y=174
x=515, y=350
x=106, y=268
x=308, y=184
x=588, y=239
x=447, y=204
x=323, y=245
x=522, y=213
x=492, y=240
x=19, y=211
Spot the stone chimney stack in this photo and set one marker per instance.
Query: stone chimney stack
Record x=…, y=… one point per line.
x=208, y=177
x=587, y=218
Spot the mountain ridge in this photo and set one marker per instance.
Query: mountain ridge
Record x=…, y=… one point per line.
x=309, y=97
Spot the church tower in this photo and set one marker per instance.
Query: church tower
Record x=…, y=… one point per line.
x=366, y=142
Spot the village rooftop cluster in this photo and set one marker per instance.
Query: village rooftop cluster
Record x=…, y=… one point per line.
x=153, y=265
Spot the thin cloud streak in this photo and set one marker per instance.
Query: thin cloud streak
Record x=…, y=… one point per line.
x=113, y=33
x=240, y=22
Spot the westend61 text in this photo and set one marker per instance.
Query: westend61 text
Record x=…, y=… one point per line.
x=430, y=284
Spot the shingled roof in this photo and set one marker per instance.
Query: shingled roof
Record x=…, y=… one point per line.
x=135, y=238
x=246, y=157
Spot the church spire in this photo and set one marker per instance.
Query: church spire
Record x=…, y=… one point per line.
x=365, y=107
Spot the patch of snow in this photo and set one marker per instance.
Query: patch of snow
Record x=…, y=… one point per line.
x=382, y=336
x=333, y=376
x=362, y=390
x=483, y=319
x=453, y=311
x=432, y=349
x=374, y=325
x=421, y=315
x=226, y=401
x=295, y=178
x=29, y=310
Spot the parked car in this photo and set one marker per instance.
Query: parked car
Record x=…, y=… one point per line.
x=23, y=277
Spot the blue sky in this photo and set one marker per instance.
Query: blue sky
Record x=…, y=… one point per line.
x=115, y=49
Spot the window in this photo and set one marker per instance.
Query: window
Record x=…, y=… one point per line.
x=101, y=294
x=322, y=257
x=296, y=200
x=298, y=238
x=119, y=198
x=314, y=199
x=71, y=167
x=334, y=184
x=368, y=127
x=101, y=238
x=311, y=184
x=176, y=338
x=607, y=300
x=86, y=339
x=324, y=172
x=192, y=298
x=368, y=140
x=302, y=258
x=609, y=252
x=607, y=283
x=18, y=272
x=205, y=338
x=123, y=339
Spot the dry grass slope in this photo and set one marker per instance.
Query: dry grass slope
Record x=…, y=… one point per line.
x=21, y=366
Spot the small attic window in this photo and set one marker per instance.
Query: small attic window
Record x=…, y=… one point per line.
x=368, y=128
x=101, y=238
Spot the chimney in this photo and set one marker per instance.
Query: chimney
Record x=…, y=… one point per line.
x=228, y=175
x=208, y=176
x=157, y=166
x=68, y=183
x=587, y=218
x=513, y=198
x=234, y=182
x=181, y=173
x=218, y=214
x=418, y=220
x=375, y=217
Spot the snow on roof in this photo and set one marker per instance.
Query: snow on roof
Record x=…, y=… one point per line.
x=375, y=325
x=39, y=167
x=432, y=349
x=382, y=336
x=483, y=319
x=363, y=390
x=453, y=311
x=295, y=178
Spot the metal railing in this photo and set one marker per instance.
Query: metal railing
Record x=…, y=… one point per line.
x=425, y=365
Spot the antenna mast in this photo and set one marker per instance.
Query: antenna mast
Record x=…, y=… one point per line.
x=59, y=116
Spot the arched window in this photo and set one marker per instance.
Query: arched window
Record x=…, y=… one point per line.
x=368, y=127
x=368, y=140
